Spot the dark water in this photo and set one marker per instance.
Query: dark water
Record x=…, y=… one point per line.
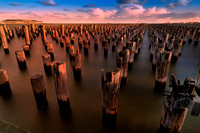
x=139, y=106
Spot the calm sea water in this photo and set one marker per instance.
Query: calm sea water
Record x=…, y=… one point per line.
x=139, y=106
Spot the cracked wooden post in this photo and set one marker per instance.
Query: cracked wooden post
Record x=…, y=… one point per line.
x=39, y=90
x=50, y=51
x=27, y=39
x=76, y=63
x=125, y=61
x=5, y=89
x=4, y=40
x=21, y=59
x=176, y=105
x=131, y=57
x=67, y=44
x=47, y=63
x=162, y=70
x=176, y=50
x=61, y=86
x=110, y=88
x=26, y=50
x=86, y=46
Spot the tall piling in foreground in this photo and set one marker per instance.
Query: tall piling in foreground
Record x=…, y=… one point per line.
x=61, y=86
x=21, y=59
x=47, y=63
x=5, y=89
x=3, y=39
x=39, y=90
x=110, y=88
x=162, y=70
x=176, y=105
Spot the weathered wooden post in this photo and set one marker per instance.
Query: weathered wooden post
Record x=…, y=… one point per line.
x=125, y=61
x=44, y=38
x=27, y=39
x=39, y=90
x=71, y=52
x=50, y=51
x=176, y=105
x=80, y=42
x=162, y=70
x=96, y=43
x=106, y=48
x=67, y=44
x=158, y=50
x=76, y=63
x=113, y=45
x=5, y=89
x=62, y=42
x=26, y=50
x=81, y=29
x=86, y=46
x=61, y=86
x=131, y=57
x=63, y=31
x=47, y=63
x=21, y=59
x=110, y=88
x=4, y=40
x=176, y=50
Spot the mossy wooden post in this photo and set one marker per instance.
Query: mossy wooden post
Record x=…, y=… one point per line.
x=39, y=90
x=125, y=61
x=162, y=70
x=176, y=105
x=176, y=50
x=50, y=51
x=27, y=37
x=131, y=57
x=77, y=64
x=86, y=46
x=5, y=89
x=26, y=50
x=3, y=39
x=110, y=88
x=21, y=59
x=61, y=86
x=47, y=63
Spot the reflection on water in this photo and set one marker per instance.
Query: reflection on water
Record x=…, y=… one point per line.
x=139, y=106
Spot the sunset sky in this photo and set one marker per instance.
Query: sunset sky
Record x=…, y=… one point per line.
x=102, y=11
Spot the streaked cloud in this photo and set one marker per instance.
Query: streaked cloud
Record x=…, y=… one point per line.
x=14, y=4
x=131, y=1
x=179, y=3
x=65, y=9
x=48, y=2
x=89, y=6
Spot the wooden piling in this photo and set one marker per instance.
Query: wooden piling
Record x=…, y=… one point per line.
x=125, y=61
x=106, y=48
x=162, y=70
x=44, y=38
x=110, y=88
x=61, y=86
x=39, y=90
x=50, y=51
x=5, y=89
x=26, y=50
x=176, y=105
x=47, y=63
x=131, y=57
x=76, y=63
x=96, y=43
x=176, y=50
x=86, y=46
x=4, y=40
x=21, y=59
x=26, y=31
x=67, y=44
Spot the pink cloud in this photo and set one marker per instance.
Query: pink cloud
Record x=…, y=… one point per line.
x=132, y=9
x=155, y=11
x=102, y=13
